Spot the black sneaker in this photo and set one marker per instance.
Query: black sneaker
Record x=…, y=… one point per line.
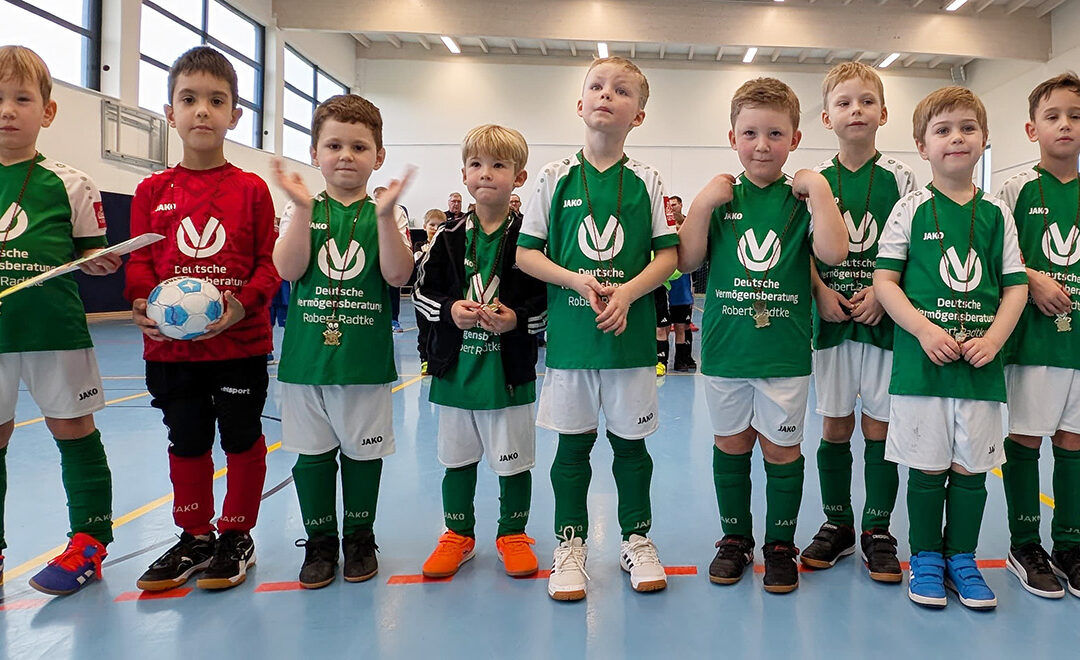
x=235, y=553
x=683, y=360
x=781, y=570
x=320, y=561
x=172, y=569
x=734, y=553
x=1066, y=563
x=1031, y=565
x=360, y=561
x=879, y=556
x=830, y=544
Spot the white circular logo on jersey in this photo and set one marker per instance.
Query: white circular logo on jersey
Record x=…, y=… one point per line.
x=600, y=246
x=337, y=266
x=12, y=225
x=961, y=276
x=861, y=238
x=1061, y=251
x=758, y=257
x=205, y=244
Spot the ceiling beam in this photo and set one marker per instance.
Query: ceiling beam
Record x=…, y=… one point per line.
x=573, y=49
x=427, y=46
x=513, y=47
x=1016, y=5
x=362, y=40
x=719, y=53
x=933, y=64
x=690, y=55
x=916, y=3
x=543, y=47
x=803, y=55
x=483, y=44
x=830, y=56
x=910, y=59
x=393, y=39
x=775, y=55
x=663, y=49
x=983, y=4
x=1047, y=7
x=633, y=51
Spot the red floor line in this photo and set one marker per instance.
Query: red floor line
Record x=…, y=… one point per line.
x=278, y=586
x=415, y=579
x=545, y=574
x=151, y=595
x=24, y=604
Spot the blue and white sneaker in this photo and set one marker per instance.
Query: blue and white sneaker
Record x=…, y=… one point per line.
x=78, y=565
x=926, y=579
x=395, y=327
x=962, y=576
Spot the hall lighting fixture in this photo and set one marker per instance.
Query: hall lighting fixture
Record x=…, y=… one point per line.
x=955, y=4
x=750, y=53
x=451, y=45
x=601, y=49
x=888, y=60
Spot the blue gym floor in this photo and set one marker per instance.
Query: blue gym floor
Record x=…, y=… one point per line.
x=481, y=612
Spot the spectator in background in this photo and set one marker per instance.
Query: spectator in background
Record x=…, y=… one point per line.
x=515, y=203
x=433, y=219
x=453, y=212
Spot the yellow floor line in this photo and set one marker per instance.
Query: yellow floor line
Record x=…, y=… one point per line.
x=108, y=403
x=1043, y=497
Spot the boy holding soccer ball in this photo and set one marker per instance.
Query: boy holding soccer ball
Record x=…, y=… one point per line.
x=218, y=223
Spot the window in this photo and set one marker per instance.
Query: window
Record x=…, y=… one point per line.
x=56, y=29
x=306, y=86
x=170, y=27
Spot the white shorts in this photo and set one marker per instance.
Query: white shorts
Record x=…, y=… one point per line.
x=853, y=369
x=506, y=435
x=775, y=407
x=1042, y=400
x=64, y=384
x=318, y=418
x=571, y=401
x=931, y=433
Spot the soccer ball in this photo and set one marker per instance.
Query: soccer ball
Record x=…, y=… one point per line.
x=182, y=307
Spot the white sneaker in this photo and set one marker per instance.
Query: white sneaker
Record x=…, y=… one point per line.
x=568, y=576
x=638, y=558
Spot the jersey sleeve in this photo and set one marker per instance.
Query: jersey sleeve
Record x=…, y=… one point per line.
x=663, y=233
x=1010, y=191
x=87, y=215
x=896, y=237
x=286, y=218
x=139, y=276
x=534, y=224
x=1013, y=271
x=264, y=281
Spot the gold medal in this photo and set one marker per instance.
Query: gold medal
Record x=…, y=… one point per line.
x=960, y=336
x=1063, y=323
x=493, y=307
x=761, y=314
x=331, y=336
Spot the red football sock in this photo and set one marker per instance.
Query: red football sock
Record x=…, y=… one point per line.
x=193, y=492
x=247, y=472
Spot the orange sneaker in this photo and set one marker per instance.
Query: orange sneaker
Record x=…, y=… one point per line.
x=516, y=554
x=453, y=551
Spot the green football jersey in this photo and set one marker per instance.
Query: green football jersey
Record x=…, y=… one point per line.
x=344, y=269
x=952, y=270
x=613, y=250
x=1046, y=224
x=759, y=250
x=58, y=217
x=477, y=380
x=883, y=181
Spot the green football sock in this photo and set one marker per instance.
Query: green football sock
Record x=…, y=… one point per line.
x=633, y=468
x=834, y=474
x=1065, y=527
x=571, y=473
x=315, y=477
x=88, y=483
x=359, y=492
x=964, y=504
x=783, y=495
x=458, y=494
x=515, y=497
x=926, y=510
x=1021, y=476
x=882, y=482
x=731, y=478
x=3, y=492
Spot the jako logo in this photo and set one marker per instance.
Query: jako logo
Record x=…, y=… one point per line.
x=1061, y=251
x=862, y=237
x=337, y=266
x=206, y=244
x=87, y=394
x=759, y=257
x=567, y=203
x=600, y=246
x=11, y=225
x=959, y=276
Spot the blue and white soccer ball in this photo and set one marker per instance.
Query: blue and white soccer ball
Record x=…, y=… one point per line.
x=182, y=307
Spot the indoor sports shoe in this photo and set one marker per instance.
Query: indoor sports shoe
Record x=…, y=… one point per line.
x=661, y=369
x=516, y=555
x=1031, y=565
x=235, y=553
x=781, y=570
x=638, y=557
x=568, y=576
x=360, y=561
x=320, y=561
x=734, y=553
x=74, y=568
x=423, y=368
x=684, y=361
x=879, y=556
x=172, y=569
x=1066, y=563
x=962, y=576
x=452, y=551
x=830, y=544
x=926, y=579
x=396, y=327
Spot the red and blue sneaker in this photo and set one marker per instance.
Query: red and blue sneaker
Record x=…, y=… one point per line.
x=71, y=570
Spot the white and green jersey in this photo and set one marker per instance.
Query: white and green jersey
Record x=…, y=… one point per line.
x=885, y=180
x=346, y=271
x=759, y=250
x=950, y=272
x=58, y=218
x=613, y=250
x=477, y=381
x=1050, y=242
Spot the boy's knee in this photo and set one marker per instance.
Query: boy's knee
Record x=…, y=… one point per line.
x=70, y=429
x=779, y=455
x=6, y=429
x=838, y=429
x=740, y=443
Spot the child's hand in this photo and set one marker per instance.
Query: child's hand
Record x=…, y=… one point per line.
x=590, y=290
x=234, y=312
x=106, y=264
x=501, y=320
x=613, y=318
x=465, y=314
x=717, y=192
x=386, y=203
x=292, y=183
x=832, y=306
x=868, y=310
x=939, y=345
x=805, y=181
x=143, y=322
x=979, y=351
x=1049, y=295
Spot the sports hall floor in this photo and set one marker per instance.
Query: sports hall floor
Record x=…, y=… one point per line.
x=480, y=613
